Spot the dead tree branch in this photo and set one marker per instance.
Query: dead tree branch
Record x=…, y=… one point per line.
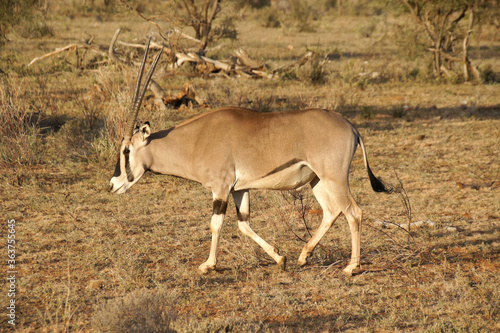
x=50, y=54
x=240, y=66
x=111, y=49
x=160, y=31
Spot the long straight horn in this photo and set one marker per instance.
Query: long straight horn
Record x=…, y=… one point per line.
x=139, y=94
x=148, y=80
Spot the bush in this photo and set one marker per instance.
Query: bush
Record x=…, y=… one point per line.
x=253, y=3
x=314, y=71
x=142, y=311
x=271, y=19
x=488, y=75
x=13, y=12
x=19, y=139
x=303, y=15
x=35, y=27
x=410, y=42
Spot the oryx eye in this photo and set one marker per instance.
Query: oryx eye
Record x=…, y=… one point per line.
x=126, y=151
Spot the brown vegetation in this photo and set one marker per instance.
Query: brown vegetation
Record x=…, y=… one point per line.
x=90, y=261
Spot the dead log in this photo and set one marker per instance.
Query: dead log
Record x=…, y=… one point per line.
x=174, y=32
x=476, y=186
x=242, y=66
x=187, y=97
x=111, y=49
x=218, y=64
x=85, y=45
x=246, y=61
x=159, y=95
x=50, y=54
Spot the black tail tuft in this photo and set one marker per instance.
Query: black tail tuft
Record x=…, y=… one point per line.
x=377, y=184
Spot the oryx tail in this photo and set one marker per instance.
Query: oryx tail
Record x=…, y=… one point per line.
x=377, y=184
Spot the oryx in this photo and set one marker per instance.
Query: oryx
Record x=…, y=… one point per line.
x=232, y=150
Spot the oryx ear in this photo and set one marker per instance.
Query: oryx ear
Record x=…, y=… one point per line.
x=145, y=131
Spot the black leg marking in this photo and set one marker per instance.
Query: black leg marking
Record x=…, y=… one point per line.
x=219, y=207
x=241, y=216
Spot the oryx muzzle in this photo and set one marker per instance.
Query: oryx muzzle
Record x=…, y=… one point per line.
x=232, y=150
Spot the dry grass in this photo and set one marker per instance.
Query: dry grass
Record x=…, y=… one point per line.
x=90, y=261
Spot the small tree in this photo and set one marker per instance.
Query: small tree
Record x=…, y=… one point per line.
x=200, y=15
x=450, y=39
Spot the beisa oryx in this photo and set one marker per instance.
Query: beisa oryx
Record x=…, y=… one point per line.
x=232, y=150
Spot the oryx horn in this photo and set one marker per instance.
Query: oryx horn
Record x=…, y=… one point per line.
x=139, y=96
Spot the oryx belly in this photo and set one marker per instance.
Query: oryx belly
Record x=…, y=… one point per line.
x=288, y=176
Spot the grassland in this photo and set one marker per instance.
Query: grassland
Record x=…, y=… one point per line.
x=91, y=261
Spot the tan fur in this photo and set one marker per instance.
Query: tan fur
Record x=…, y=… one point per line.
x=233, y=150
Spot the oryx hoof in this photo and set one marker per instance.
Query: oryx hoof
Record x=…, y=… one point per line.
x=303, y=258
x=282, y=263
x=351, y=270
x=205, y=268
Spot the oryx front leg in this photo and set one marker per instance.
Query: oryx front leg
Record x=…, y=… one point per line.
x=219, y=211
x=242, y=201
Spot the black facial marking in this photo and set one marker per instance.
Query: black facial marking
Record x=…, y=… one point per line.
x=219, y=207
x=284, y=166
x=118, y=171
x=126, y=153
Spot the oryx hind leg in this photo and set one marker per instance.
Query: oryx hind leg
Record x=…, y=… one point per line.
x=335, y=198
x=330, y=214
x=354, y=217
x=219, y=211
x=242, y=201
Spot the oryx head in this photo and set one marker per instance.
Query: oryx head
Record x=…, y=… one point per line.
x=133, y=160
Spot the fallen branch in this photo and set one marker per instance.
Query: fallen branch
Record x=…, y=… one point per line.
x=245, y=60
x=186, y=96
x=111, y=49
x=476, y=187
x=173, y=31
x=62, y=49
x=242, y=66
x=218, y=64
x=418, y=224
x=299, y=63
x=159, y=94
